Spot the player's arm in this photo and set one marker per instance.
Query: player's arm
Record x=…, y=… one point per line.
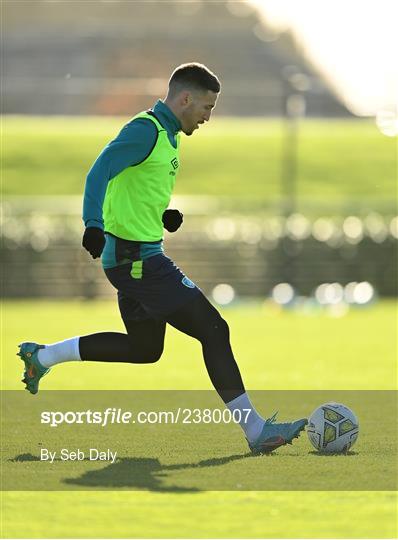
x=133, y=145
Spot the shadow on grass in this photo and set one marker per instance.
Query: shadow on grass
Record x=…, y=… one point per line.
x=31, y=457
x=24, y=457
x=333, y=454
x=145, y=473
x=137, y=473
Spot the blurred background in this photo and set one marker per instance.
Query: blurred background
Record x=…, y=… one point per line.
x=289, y=194
x=290, y=224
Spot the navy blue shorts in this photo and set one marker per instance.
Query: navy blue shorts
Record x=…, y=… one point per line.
x=150, y=288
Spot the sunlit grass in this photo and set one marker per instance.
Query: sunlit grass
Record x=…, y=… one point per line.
x=338, y=160
x=274, y=350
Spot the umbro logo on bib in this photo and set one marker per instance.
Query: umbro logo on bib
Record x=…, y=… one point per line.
x=174, y=162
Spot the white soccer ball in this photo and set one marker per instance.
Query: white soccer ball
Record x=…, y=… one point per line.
x=332, y=428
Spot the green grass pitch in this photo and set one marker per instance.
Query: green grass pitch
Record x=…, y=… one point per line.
x=340, y=162
x=275, y=350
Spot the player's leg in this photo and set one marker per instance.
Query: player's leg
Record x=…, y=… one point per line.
x=199, y=319
x=143, y=343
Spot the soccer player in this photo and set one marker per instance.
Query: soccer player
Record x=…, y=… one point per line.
x=127, y=192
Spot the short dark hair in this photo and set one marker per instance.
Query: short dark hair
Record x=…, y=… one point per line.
x=195, y=76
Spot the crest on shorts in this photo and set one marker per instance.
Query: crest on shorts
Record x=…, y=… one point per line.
x=187, y=282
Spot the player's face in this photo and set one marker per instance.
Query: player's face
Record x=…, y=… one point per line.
x=198, y=110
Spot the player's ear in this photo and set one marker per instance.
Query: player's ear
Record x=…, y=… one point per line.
x=185, y=98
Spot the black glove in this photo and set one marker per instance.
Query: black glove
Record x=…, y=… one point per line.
x=94, y=241
x=172, y=220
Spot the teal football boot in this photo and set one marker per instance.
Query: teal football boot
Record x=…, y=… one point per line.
x=274, y=435
x=34, y=371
